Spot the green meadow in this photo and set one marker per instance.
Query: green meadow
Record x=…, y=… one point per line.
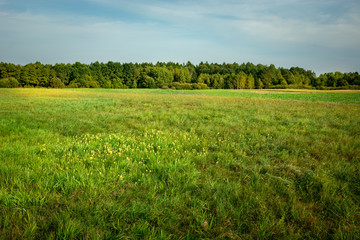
x=168, y=164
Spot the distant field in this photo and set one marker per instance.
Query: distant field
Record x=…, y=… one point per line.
x=342, y=96
x=166, y=164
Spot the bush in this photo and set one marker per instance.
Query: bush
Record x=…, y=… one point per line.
x=84, y=82
x=352, y=87
x=73, y=84
x=56, y=83
x=119, y=85
x=180, y=86
x=9, y=83
x=298, y=86
x=277, y=87
x=200, y=86
x=188, y=86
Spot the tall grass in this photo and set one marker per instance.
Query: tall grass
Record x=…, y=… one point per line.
x=124, y=164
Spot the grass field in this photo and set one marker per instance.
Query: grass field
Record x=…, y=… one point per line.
x=165, y=164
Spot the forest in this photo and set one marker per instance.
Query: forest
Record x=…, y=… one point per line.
x=170, y=75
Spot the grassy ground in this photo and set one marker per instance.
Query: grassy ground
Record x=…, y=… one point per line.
x=340, y=96
x=163, y=164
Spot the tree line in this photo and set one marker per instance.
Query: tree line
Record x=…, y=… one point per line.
x=170, y=75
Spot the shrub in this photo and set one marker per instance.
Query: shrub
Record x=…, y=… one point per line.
x=179, y=86
x=352, y=87
x=56, y=83
x=9, y=83
x=200, y=86
x=188, y=86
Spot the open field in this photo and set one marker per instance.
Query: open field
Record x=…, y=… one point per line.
x=340, y=96
x=165, y=164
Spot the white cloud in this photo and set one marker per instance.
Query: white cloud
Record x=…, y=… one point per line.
x=339, y=35
x=264, y=19
x=37, y=37
x=260, y=31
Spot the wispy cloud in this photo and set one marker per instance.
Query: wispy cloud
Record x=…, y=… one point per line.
x=36, y=37
x=291, y=32
x=294, y=21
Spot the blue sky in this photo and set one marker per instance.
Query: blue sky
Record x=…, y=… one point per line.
x=322, y=35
